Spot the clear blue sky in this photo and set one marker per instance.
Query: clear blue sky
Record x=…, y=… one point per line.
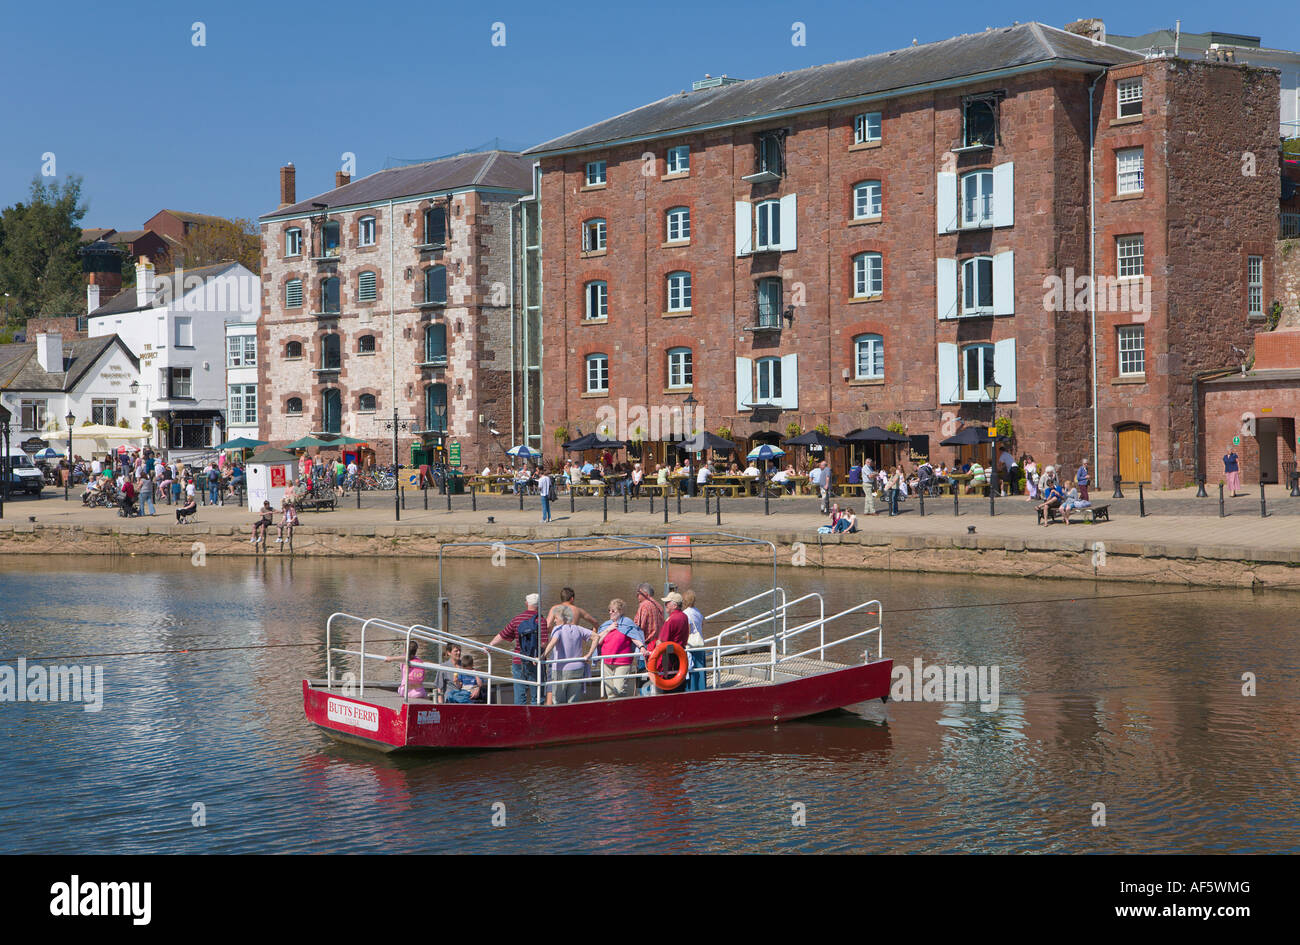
x=122, y=97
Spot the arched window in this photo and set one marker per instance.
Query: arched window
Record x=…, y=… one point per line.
x=679, y=224
x=293, y=405
x=293, y=293
x=679, y=291
x=366, y=231
x=977, y=199
x=366, y=344
x=868, y=275
x=435, y=344
x=366, y=287
x=597, y=373
x=331, y=354
x=435, y=285
x=680, y=367
x=868, y=358
x=329, y=295
x=976, y=370
x=769, y=380
x=329, y=239
x=866, y=199
x=435, y=226
x=597, y=296
x=293, y=351
x=366, y=402
x=435, y=408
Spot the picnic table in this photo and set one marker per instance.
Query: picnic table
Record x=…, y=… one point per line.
x=732, y=485
x=595, y=487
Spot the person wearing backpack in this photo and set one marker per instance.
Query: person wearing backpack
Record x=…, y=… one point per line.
x=214, y=484
x=530, y=636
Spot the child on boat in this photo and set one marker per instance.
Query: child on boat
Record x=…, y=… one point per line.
x=412, y=686
x=469, y=687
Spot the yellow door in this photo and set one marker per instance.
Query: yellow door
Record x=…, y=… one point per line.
x=1135, y=454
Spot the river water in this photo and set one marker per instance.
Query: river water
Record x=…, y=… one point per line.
x=1126, y=696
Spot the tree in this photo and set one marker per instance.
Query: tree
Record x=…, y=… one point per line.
x=39, y=239
x=209, y=243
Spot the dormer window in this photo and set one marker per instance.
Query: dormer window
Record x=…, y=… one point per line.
x=980, y=121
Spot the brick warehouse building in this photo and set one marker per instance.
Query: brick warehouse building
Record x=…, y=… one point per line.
x=421, y=253
x=875, y=240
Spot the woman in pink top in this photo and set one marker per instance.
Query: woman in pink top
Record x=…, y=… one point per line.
x=413, y=684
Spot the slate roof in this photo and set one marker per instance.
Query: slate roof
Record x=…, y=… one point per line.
x=504, y=169
x=21, y=371
x=165, y=284
x=186, y=217
x=1027, y=45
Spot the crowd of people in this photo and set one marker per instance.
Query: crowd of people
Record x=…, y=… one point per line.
x=137, y=481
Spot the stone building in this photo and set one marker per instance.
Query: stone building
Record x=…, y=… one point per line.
x=393, y=294
x=878, y=240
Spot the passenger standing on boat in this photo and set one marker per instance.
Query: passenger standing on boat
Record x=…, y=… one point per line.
x=619, y=638
x=529, y=635
x=696, y=681
x=649, y=616
x=412, y=685
x=675, y=629
x=553, y=616
x=571, y=640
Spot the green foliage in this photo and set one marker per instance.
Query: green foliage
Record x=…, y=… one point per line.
x=724, y=432
x=39, y=239
x=561, y=433
x=793, y=428
x=1006, y=430
x=1274, y=314
x=824, y=428
x=87, y=422
x=896, y=426
x=123, y=424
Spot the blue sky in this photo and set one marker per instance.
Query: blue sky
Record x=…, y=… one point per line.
x=121, y=95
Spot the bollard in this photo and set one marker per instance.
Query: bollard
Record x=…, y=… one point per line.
x=706, y=500
x=1200, y=488
x=358, y=493
x=679, y=503
x=1263, y=509
x=665, y=510
x=920, y=495
x=426, y=498
x=766, y=500
x=448, y=498
x=473, y=498
x=521, y=500
x=1295, y=483
x=652, y=503
x=604, y=506
x=1118, y=494
x=955, y=489
x=717, y=507
x=1221, y=512
x=403, y=493
x=1142, y=505
x=625, y=503
x=570, y=498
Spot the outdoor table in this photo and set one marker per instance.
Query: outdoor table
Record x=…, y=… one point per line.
x=653, y=487
x=802, y=484
x=734, y=485
x=588, y=488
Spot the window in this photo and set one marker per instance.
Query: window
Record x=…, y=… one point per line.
x=293, y=293
x=679, y=367
x=435, y=226
x=768, y=214
x=771, y=293
x=329, y=295
x=869, y=358
x=678, y=159
x=293, y=406
x=435, y=344
x=1128, y=249
x=597, y=373
x=333, y=411
x=243, y=404
x=366, y=344
x=866, y=127
x=185, y=333
x=1255, y=285
x=977, y=370
x=1128, y=171
x=979, y=123
x=329, y=239
x=679, y=292
x=241, y=351
x=366, y=231
x=366, y=291
x=293, y=242
x=1132, y=360
x=868, y=275
x=33, y=415
x=181, y=379
x=435, y=408
x=769, y=380
x=866, y=200
x=597, y=294
x=435, y=285
x=977, y=286
x=595, y=173
x=771, y=154
x=331, y=353
x=977, y=199
x=293, y=351
x=593, y=235
x=105, y=411
x=679, y=224
x=366, y=403
x=1129, y=96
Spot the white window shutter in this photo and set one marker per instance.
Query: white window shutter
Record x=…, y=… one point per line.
x=946, y=201
x=1004, y=194
x=744, y=228
x=788, y=223
x=790, y=381
x=1004, y=369
x=948, y=392
x=946, y=287
x=744, y=383
x=1004, y=284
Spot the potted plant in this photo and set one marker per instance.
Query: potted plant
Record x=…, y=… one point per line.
x=895, y=426
x=724, y=432
x=637, y=434
x=146, y=425
x=793, y=429
x=164, y=426
x=823, y=428
x=1006, y=430
x=87, y=422
x=561, y=433
x=123, y=424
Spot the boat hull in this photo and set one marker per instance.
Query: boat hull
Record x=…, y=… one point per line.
x=424, y=725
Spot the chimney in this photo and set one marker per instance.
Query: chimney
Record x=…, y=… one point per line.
x=340, y=178
x=92, y=298
x=49, y=351
x=145, y=289
x=1092, y=28
x=288, y=190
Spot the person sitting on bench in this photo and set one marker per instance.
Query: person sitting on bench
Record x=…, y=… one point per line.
x=1054, y=496
x=1072, y=503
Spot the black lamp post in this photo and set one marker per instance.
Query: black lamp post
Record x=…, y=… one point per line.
x=5, y=416
x=993, y=388
x=71, y=420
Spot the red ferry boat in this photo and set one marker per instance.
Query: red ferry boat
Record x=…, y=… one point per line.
x=762, y=668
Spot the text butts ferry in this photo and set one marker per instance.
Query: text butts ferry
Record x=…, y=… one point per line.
x=759, y=669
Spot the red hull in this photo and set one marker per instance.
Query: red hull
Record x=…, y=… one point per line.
x=449, y=725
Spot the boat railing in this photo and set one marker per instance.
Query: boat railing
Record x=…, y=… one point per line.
x=765, y=615
x=758, y=619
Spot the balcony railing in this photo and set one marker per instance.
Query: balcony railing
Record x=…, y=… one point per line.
x=767, y=317
x=1290, y=227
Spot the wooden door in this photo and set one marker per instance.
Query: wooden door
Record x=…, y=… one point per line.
x=1134, y=445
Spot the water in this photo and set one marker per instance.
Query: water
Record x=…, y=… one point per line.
x=1134, y=702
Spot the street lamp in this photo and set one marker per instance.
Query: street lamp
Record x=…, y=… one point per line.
x=4, y=458
x=68, y=478
x=993, y=388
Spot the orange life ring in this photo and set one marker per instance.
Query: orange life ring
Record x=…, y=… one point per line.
x=652, y=665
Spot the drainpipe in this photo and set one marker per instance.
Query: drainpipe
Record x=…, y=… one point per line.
x=392, y=324
x=1092, y=261
x=513, y=208
x=1196, y=413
